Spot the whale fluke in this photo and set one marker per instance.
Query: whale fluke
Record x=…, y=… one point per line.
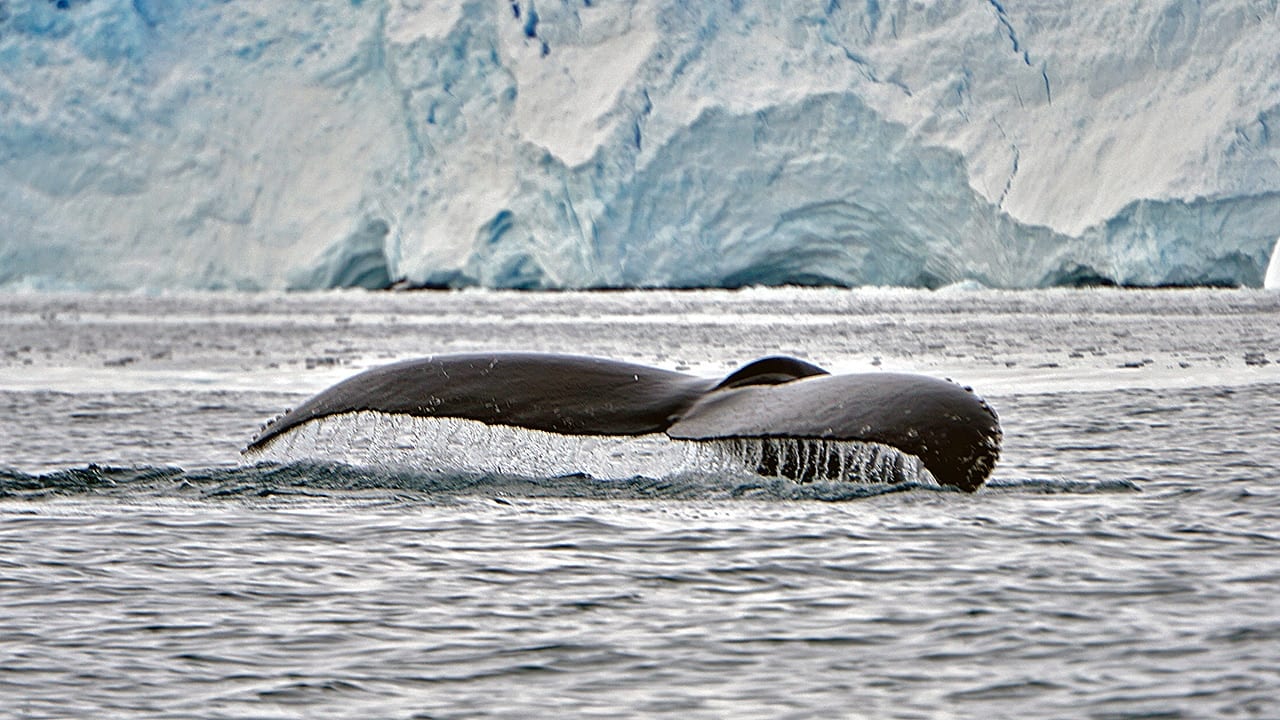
x=948, y=428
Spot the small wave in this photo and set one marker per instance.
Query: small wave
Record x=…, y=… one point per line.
x=89, y=479
x=337, y=482
x=1052, y=486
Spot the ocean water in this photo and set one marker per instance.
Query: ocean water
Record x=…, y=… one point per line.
x=1123, y=561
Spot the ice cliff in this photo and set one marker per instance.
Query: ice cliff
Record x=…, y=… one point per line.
x=589, y=143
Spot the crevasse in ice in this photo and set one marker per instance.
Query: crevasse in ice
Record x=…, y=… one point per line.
x=582, y=143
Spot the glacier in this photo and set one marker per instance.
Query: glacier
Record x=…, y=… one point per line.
x=637, y=143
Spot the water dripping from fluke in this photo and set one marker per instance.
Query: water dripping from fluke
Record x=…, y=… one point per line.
x=448, y=445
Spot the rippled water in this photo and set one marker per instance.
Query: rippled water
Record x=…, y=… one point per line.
x=1123, y=562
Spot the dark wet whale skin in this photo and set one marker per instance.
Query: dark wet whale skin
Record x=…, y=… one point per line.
x=953, y=431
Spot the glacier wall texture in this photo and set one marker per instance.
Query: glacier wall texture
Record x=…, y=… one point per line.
x=611, y=143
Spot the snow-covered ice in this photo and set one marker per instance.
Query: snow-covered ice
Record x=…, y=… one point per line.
x=644, y=143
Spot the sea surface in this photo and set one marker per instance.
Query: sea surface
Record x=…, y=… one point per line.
x=1122, y=562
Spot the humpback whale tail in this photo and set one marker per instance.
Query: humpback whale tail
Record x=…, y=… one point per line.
x=785, y=416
